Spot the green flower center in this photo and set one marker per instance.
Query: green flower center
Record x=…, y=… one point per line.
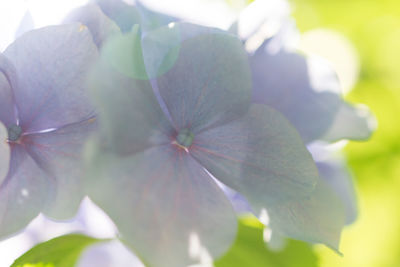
x=185, y=138
x=14, y=132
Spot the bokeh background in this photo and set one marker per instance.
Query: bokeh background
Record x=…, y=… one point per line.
x=373, y=27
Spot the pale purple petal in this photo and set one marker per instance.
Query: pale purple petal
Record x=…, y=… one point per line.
x=52, y=64
x=123, y=14
x=351, y=122
x=238, y=201
x=127, y=15
x=8, y=80
x=209, y=84
x=130, y=116
x=261, y=14
x=58, y=153
x=284, y=81
x=260, y=156
x=4, y=153
x=164, y=203
x=24, y=192
x=101, y=27
x=150, y=19
x=335, y=174
x=25, y=25
x=318, y=218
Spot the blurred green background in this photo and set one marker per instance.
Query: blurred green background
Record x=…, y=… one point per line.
x=373, y=26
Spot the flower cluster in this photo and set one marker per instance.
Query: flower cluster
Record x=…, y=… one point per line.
x=190, y=126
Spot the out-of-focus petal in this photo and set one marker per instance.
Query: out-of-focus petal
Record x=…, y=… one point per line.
x=335, y=175
x=287, y=37
x=59, y=155
x=351, y=122
x=151, y=20
x=126, y=15
x=101, y=27
x=25, y=25
x=52, y=64
x=24, y=192
x=4, y=153
x=318, y=218
x=209, y=84
x=8, y=80
x=239, y=202
x=260, y=155
x=161, y=46
x=11, y=14
x=123, y=14
x=166, y=206
x=261, y=16
x=218, y=13
x=130, y=115
x=283, y=81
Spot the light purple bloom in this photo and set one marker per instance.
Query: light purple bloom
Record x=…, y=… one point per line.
x=127, y=15
x=307, y=91
x=333, y=170
x=44, y=107
x=105, y=18
x=101, y=27
x=154, y=156
x=304, y=89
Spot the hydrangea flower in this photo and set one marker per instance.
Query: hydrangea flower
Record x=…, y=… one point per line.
x=307, y=92
x=311, y=80
x=45, y=117
x=305, y=89
x=163, y=142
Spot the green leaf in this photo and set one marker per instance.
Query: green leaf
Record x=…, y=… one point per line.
x=63, y=251
x=250, y=250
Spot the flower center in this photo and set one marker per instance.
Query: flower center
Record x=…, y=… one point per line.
x=185, y=138
x=14, y=132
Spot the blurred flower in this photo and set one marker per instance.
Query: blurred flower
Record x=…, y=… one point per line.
x=334, y=171
x=100, y=26
x=157, y=152
x=105, y=18
x=307, y=91
x=47, y=117
x=127, y=15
